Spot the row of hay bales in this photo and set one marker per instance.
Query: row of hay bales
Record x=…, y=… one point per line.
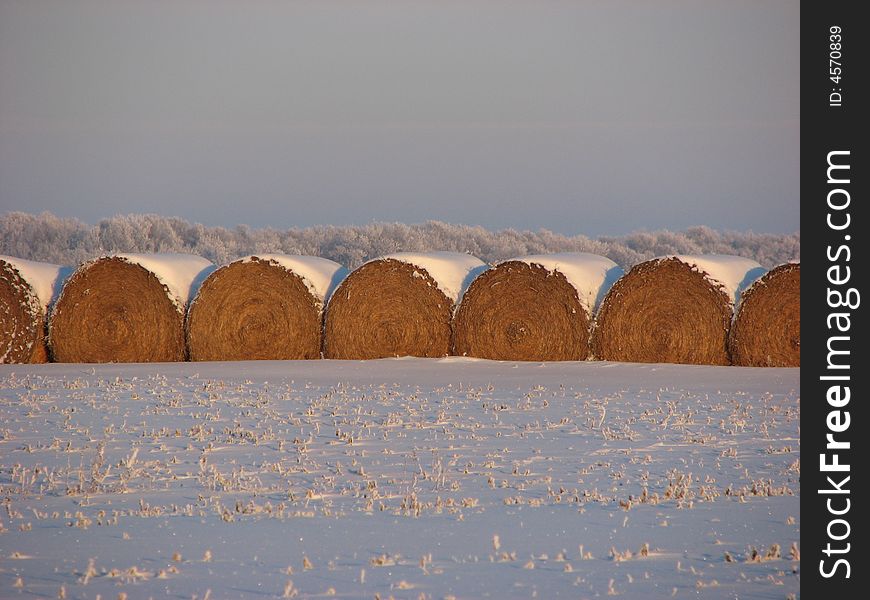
x=171, y=307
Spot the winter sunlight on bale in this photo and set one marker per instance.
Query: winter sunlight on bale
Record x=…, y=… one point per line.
x=767, y=329
x=537, y=307
x=264, y=307
x=27, y=290
x=126, y=308
x=398, y=305
x=676, y=309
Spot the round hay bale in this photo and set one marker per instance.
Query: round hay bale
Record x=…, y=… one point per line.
x=533, y=308
x=675, y=309
x=21, y=316
x=398, y=305
x=27, y=290
x=266, y=307
x=767, y=329
x=125, y=308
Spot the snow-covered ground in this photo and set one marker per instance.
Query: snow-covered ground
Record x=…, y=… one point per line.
x=407, y=478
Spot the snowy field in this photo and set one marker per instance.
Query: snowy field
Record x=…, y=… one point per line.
x=404, y=478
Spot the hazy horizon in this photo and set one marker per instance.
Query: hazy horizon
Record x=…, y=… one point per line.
x=594, y=118
x=96, y=220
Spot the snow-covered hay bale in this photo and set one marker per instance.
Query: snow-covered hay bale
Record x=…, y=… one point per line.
x=27, y=290
x=676, y=309
x=398, y=305
x=767, y=329
x=126, y=308
x=536, y=307
x=20, y=315
x=265, y=307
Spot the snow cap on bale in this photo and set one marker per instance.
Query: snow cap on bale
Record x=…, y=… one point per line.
x=398, y=305
x=537, y=307
x=126, y=308
x=27, y=290
x=268, y=306
x=674, y=309
x=767, y=328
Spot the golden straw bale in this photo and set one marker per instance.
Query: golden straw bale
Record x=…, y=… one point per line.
x=767, y=329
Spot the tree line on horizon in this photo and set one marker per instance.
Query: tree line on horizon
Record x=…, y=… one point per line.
x=69, y=241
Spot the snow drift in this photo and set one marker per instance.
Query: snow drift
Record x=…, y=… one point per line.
x=398, y=305
x=537, y=307
x=767, y=328
x=265, y=307
x=126, y=308
x=27, y=289
x=675, y=309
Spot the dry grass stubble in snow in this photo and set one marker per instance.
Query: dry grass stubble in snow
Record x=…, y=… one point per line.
x=403, y=477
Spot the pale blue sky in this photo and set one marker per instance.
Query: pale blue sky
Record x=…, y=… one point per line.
x=581, y=117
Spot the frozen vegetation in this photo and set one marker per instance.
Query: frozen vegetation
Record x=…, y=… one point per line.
x=404, y=478
x=49, y=238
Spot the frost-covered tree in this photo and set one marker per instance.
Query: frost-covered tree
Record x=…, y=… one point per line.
x=69, y=241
